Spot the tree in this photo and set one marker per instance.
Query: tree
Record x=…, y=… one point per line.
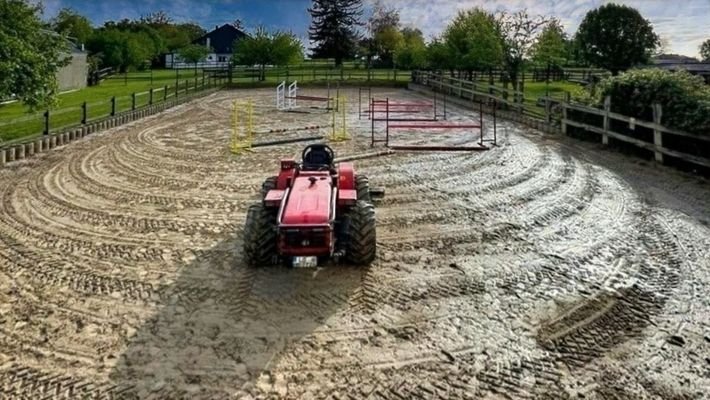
x=30, y=55
x=664, y=46
x=705, y=51
x=156, y=18
x=616, y=37
x=412, y=53
x=121, y=50
x=438, y=55
x=194, y=53
x=386, y=42
x=239, y=24
x=383, y=27
x=286, y=49
x=519, y=32
x=177, y=36
x=550, y=48
x=69, y=22
x=263, y=48
x=473, y=41
x=366, y=49
x=333, y=28
x=140, y=33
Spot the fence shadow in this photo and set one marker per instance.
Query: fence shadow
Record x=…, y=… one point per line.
x=222, y=326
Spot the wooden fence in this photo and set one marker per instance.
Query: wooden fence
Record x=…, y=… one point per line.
x=566, y=115
x=66, y=118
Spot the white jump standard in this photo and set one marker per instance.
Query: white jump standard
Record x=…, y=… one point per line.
x=289, y=102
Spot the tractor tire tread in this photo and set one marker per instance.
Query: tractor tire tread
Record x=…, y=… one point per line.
x=362, y=237
x=260, y=236
x=362, y=186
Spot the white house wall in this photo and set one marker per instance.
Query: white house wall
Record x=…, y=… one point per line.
x=75, y=74
x=174, y=61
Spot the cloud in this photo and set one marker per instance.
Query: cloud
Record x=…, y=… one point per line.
x=684, y=24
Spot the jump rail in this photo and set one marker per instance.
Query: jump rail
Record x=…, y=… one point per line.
x=419, y=124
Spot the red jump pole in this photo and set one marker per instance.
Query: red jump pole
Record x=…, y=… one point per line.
x=438, y=148
x=387, y=117
x=432, y=126
x=481, y=120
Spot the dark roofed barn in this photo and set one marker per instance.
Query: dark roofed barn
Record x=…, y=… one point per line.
x=220, y=40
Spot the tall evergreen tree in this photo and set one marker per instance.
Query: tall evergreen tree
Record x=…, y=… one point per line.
x=333, y=28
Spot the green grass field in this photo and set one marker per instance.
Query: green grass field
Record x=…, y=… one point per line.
x=534, y=90
x=18, y=121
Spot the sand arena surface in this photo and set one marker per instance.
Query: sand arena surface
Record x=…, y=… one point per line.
x=544, y=268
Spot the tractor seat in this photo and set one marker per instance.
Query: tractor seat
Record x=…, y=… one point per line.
x=317, y=156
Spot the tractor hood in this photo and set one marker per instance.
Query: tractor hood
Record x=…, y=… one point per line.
x=309, y=201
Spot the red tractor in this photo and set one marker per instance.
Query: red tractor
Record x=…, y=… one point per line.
x=311, y=212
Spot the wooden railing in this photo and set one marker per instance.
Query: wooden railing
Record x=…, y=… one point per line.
x=557, y=112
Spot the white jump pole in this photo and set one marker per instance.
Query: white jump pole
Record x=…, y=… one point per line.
x=280, y=96
x=292, y=93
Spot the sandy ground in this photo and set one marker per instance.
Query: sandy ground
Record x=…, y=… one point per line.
x=544, y=268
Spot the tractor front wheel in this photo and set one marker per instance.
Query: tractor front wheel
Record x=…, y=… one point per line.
x=269, y=184
x=361, y=242
x=260, y=236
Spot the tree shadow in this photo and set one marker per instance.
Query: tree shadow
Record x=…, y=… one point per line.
x=221, y=326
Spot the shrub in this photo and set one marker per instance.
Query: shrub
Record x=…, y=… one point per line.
x=685, y=98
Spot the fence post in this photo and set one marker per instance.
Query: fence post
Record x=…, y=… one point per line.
x=565, y=103
x=657, y=133
x=83, y=113
x=133, y=101
x=46, y=122
x=113, y=106
x=165, y=92
x=177, y=87
x=150, y=100
x=187, y=85
x=548, y=117
x=607, y=108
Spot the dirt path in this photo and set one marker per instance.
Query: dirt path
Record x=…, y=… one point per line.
x=543, y=268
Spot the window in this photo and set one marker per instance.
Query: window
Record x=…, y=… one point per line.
x=222, y=59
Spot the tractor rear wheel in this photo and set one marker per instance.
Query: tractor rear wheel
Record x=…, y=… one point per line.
x=269, y=184
x=260, y=236
x=361, y=242
x=362, y=186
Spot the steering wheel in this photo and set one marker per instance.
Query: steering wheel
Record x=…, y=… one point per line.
x=330, y=154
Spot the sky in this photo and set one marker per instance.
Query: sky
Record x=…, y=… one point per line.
x=683, y=24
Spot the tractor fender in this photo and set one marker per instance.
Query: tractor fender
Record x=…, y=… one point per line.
x=286, y=174
x=346, y=176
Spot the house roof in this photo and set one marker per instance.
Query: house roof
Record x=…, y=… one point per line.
x=71, y=42
x=697, y=68
x=673, y=59
x=222, y=38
